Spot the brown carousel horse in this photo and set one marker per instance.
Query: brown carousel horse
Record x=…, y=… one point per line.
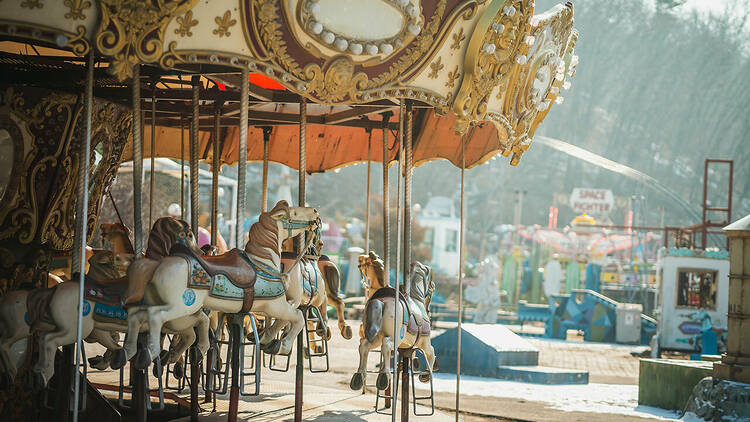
x=382, y=309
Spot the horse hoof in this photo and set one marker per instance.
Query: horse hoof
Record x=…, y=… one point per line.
x=425, y=378
x=435, y=366
x=272, y=347
x=306, y=353
x=177, y=370
x=347, y=333
x=143, y=359
x=96, y=360
x=357, y=380
x=382, y=382
x=157, y=371
x=328, y=333
x=118, y=359
x=164, y=356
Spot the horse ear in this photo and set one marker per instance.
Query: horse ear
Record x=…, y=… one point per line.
x=373, y=255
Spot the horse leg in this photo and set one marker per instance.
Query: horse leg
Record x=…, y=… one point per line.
x=105, y=339
x=48, y=344
x=358, y=379
x=384, y=377
x=426, y=345
x=344, y=328
x=269, y=334
x=201, y=325
x=157, y=316
x=136, y=317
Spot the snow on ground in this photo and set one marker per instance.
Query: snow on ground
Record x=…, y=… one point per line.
x=594, y=398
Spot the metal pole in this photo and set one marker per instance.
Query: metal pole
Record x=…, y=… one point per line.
x=266, y=143
x=367, y=196
x=399, y=241
x=215, y=168
x=153, y=152
x=407, y=192
x=299, y=369
x=182, y=169
x=460, y=275
x=137, y=163
x=81, y=221
x=242, y=159
x=194, y=202
x=386, y=228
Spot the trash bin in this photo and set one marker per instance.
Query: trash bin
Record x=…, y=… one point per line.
x=628, y=330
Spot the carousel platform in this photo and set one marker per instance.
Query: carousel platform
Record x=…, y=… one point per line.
x=327, y=396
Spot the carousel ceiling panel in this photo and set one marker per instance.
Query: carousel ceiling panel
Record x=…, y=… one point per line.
x=472, y=60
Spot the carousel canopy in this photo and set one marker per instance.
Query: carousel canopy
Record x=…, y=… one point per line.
x=486, y=70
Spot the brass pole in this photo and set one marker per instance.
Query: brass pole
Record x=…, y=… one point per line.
x=242, y=159
x=460, y=275
x=194, y=124
x=266, y=143
x=367, y=195
x=182, y=169
x=215, y=168
x=153, y=152
x=299, y=369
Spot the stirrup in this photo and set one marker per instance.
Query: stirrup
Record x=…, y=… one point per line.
x=317, y=320
x=418, y=355
x=272, y=364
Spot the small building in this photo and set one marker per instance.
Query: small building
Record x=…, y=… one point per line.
x=442, y=226
x=694, y=297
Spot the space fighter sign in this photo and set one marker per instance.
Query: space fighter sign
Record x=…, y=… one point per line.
x=592, y=201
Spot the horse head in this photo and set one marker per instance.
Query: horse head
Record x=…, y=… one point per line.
x=167, y=231
x=111, y=231
x=273, y=227
x=372, y=269
x=422, y=286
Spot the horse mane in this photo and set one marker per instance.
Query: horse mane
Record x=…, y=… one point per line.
x=379, y=267
x=263, y=237
x=121, y=228
x=165, y=232
x=419, y=283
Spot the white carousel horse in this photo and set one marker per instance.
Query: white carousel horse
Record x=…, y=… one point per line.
x=104, y=309
x=382, y=309
x=250, y=281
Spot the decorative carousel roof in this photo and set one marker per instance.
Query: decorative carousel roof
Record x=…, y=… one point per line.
x=489, y=68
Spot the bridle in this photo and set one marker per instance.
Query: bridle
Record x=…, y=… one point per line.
x=289, y=224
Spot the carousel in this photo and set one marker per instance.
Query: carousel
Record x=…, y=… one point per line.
x=311, y=84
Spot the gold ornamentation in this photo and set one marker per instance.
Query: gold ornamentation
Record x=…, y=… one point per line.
x=224, y=23
x=458, y=38
x=186, y=22
x=112, y=130
x=31, y=4
x=452, y=76
x=132, y=31
x=436, y=67
x=76, y=8
x=490, y=58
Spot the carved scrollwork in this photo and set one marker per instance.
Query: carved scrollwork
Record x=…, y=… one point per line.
x=132, y=31
x=110, y=133
x=491, y=57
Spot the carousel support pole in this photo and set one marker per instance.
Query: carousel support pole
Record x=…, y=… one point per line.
x=405, y=362
x=153, y=152
x=266, y=143
x=399, y=242
x=299, y=369
x=182, y=169
x=140, y=392
x=386, y=205
x=79, y=252
x=215, y=168
x=367, y=195
x=194, y=210
x=408, y=139
x=242, y=159
x=460, y=276
x=235, y=335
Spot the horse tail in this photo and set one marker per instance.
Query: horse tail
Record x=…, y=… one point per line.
x=373, y=319
x=333, y=282
x=140, y=272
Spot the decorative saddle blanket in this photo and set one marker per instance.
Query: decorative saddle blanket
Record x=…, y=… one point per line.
x=107, y=295
x=414, y=314
x=232, y=275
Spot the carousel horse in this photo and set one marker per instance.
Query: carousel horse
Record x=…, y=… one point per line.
x=382, y=309
x=252, y=280
x=106, y=298
x=371, y=269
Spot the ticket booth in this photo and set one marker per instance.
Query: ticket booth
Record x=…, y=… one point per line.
x=693, y=299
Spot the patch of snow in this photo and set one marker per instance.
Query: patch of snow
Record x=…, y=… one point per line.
x=591, y=398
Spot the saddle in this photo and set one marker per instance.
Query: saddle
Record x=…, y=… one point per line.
x=109, y=291
x=37, y=306
x=231, y=264
x=414, y=325
x=234, y=265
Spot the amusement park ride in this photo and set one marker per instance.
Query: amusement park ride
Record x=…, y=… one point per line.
x=90, y=84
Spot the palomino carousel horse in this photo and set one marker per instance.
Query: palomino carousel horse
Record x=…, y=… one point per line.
x=106, y=297
x=382, y=309
x=179, y=285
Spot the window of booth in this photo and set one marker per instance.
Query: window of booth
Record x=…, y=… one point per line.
x=696, y=289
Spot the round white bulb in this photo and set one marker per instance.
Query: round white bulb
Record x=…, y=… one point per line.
x=559, y=100
x=566, y=85
x=386, y=48
x=316, y=27
x=521, y=59
x=530, y=39
x=498, y=27
x=414, y=29
x=371, y=49
x=341, y=44
x=489, y=48
x=328, y=37
x=412, y=11
x=355, y=48
x=509, y=11
x=403, y=3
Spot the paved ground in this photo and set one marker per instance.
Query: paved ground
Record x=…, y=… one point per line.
x=328, y=396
